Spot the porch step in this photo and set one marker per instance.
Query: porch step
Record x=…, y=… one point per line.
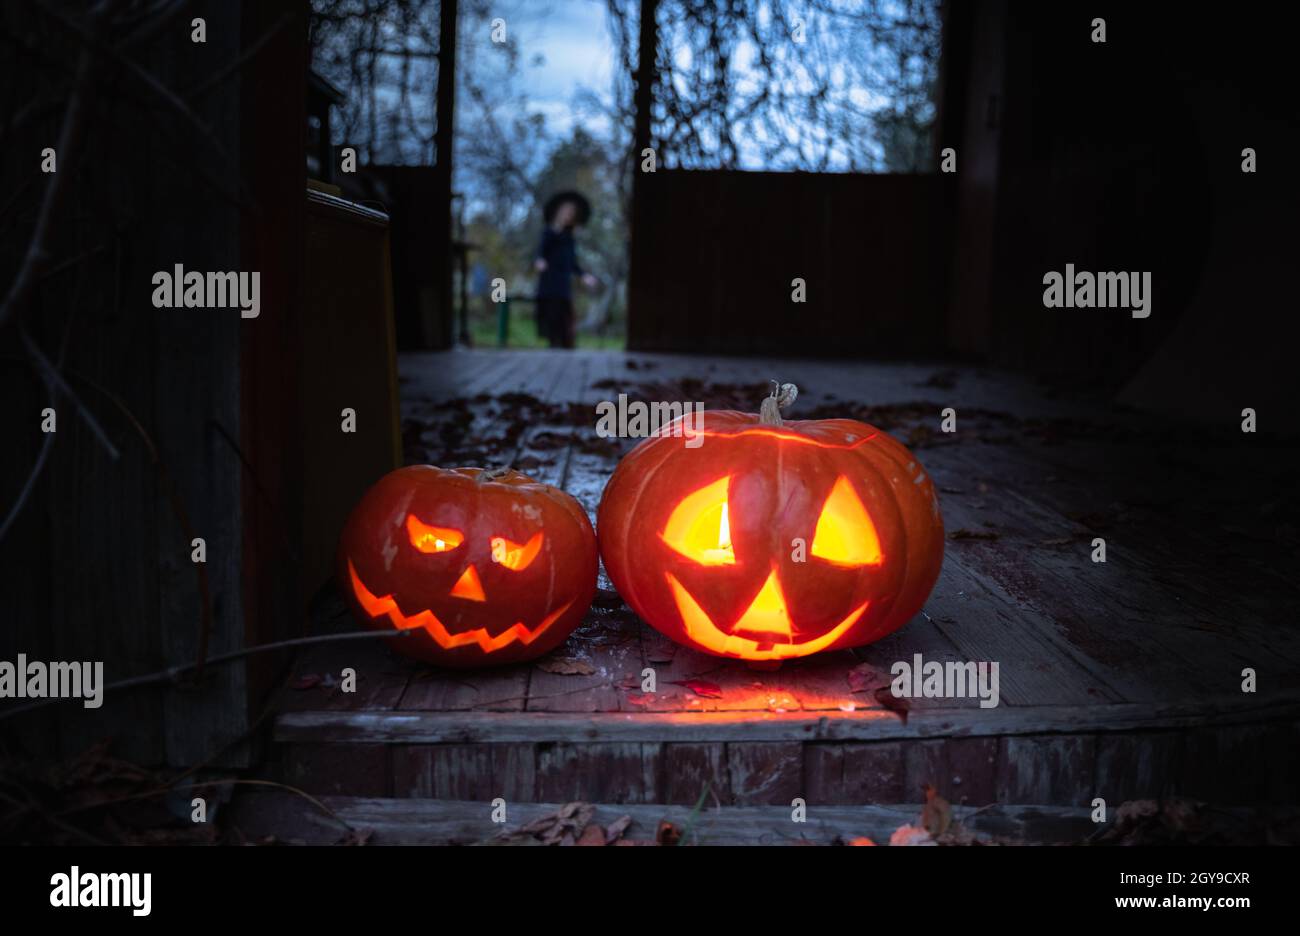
x=385, y=821
x=1052, y=756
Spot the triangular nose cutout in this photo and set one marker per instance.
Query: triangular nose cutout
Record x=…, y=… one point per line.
x=768, y=613
x=468, y=586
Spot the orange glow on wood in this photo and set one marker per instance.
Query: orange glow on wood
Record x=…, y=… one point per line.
x=378, y=607
x=699, y=527
x=514, y=556
x=469, y=586
x=432, y=539
x=845, y=534
x=702, y=630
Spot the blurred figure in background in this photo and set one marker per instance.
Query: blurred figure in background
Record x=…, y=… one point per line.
x=557, y=265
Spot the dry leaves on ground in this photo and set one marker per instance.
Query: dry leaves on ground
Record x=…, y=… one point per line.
x=965, y=534
x=566, y=666
x=574, y=824
x=701, y=687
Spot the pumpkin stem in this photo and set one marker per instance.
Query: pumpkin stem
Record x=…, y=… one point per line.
x=783, y=395
x=494, y=474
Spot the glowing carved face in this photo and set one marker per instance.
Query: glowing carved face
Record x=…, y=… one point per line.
x=699, y=528
x=464, y=559
x=772, y=542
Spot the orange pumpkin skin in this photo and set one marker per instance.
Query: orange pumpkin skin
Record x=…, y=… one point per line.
x=486, y=568
x=812, y=481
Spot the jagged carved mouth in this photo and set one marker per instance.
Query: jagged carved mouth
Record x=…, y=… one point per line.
x=377, y=607
x=763, y=632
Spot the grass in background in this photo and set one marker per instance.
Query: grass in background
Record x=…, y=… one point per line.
x=523, y=333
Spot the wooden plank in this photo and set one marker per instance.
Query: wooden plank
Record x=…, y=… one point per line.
x=694, y=770
x=613, y=652
x=925, y=634
x=496, y=689
x=444, y=771
x=961, y=770
x=1244, y=750
x=381, y=678
x=855, y=773
x=1144, y=765
x=465, y=771
x=609, y=773
x=1151, y=616
x=419, y=821
x=335, y=769
x=520, y=727
x=764, y=773
x=1056, y=770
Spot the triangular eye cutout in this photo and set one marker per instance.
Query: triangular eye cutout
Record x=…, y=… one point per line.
x=699, y=527
x=432, y=539
x=845, y=534
x=515, y=556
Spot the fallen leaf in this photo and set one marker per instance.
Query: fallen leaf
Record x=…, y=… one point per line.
x=936, y=815
x=667, y=833
x=640, y=698
x=911, y=835
x=965, y=534
x=860, y=840
x=614, y=831
x=592, y=835
x=896, y=704
x=309, y=681
x=865, y=678
x=566, y=666
x=702, y=688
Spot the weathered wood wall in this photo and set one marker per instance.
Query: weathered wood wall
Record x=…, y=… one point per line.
x=1125, y=155
x=98, y=566
x=1044, y=769
x=419, y=206
x=714, y=254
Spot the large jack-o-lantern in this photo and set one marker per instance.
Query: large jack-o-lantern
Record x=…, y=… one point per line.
x=486, y=567
x=772, y=539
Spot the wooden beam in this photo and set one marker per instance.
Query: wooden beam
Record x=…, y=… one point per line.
x=417, y=821
x=643, y=101
x=443, y=136
x=411, y=727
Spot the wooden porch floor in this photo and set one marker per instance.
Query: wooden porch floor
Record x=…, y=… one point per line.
x=1120, y=680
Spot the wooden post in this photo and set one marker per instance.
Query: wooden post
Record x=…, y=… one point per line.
x=443, y=135
x=643, y=98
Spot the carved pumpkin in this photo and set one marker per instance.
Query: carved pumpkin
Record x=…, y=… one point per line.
x=772, y=539
x=487, y=566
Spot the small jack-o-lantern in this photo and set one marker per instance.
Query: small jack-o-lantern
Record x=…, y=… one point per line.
x=772, y=539
x=486, y=567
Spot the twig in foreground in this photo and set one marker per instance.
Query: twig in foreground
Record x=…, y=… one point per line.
x=173, y=674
